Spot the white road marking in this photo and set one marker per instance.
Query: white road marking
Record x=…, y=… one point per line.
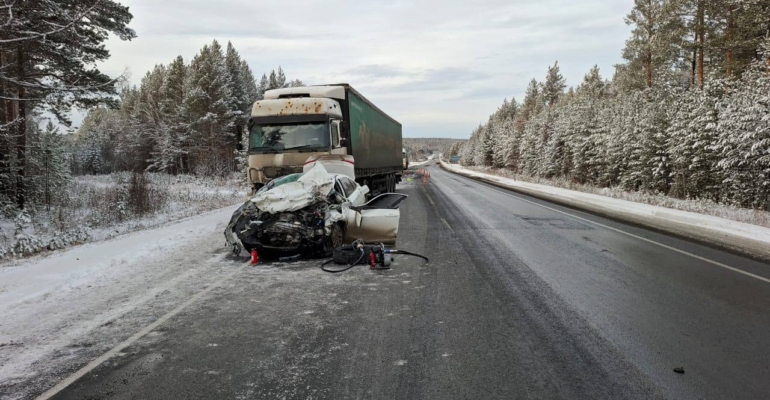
x=149, y=328
x=447, y=224
x=429, y=199
x=717, y=263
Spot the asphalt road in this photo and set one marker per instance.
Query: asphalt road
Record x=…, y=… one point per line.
x=520, y=300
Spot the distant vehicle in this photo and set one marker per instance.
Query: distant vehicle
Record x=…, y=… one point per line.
x=294, y=124
x=405, y=157
x=311, y=214
x=454, y=159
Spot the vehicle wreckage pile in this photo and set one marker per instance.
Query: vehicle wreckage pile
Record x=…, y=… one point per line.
x=311, y=214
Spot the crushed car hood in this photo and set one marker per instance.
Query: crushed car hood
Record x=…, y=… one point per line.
x=314, y=186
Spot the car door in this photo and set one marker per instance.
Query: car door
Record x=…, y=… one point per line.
x=376, y=221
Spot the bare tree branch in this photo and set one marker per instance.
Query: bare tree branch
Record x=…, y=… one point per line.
x=69, y=88
x=9, y=6
x=62, y=28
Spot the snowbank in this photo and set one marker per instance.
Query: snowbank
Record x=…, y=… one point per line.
x=745, y=238
x=420, y=163
x=56, y=312
x=98, y=207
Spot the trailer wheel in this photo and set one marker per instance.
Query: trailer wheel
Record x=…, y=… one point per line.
x=391, y=183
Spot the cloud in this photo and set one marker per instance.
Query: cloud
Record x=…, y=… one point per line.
x=439, y=67
x=375, y=71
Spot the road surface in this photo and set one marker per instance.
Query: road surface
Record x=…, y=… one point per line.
x=521, y=299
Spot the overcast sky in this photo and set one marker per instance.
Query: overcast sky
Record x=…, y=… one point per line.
x=438, y=67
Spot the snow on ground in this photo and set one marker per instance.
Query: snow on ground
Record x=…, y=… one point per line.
x=98, y=207
x=748, y=238
x=699, y=206
x=57, y=311
x=420, y=163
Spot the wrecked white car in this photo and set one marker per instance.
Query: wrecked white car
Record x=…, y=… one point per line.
x=311, y=214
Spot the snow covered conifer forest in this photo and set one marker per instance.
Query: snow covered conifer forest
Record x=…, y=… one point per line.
x=183, y=119
x=687, y=115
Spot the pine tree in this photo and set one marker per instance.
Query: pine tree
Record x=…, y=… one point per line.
x=272, y=81
x=170, y=154
x=241, y=84
x=251, y=91
x=469, y=149
x=744, y=135
x=181, y=118
x=48, y=55
x=48, y=164
x=692, y=135
x=652, y=48
x=586, y=139
x=264, y=85
x=211, y=119
x=280, y=80
x=532, y=104
x=554, y=85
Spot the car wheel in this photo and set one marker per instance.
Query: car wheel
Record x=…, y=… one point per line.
x=337, y=237
x=347, y=255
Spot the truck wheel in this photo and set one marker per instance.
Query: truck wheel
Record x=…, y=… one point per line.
x=391, y=183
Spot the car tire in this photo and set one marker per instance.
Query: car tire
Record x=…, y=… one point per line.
x=337, y=236
x=335, y=240
x=348, y=255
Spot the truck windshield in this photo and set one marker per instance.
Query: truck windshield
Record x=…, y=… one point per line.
x=280, y=137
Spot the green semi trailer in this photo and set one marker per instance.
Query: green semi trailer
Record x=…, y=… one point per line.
x=293, y=125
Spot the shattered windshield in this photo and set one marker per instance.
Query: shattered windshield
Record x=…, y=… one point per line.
x=281, y=137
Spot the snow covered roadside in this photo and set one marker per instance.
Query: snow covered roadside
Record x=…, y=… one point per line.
x=745, y=238
x=98, y=207
x=420, y=163
x=56, y=312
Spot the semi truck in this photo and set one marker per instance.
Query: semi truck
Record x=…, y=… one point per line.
x=292, y=126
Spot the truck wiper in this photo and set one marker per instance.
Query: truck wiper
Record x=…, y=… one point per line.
x=305, y=147
x=266, y=149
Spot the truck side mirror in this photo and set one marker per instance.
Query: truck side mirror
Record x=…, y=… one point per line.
x=337, y=140
x=344, y=135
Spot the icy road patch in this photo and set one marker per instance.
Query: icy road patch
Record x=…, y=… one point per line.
x=749, y=239
x=69, y=306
